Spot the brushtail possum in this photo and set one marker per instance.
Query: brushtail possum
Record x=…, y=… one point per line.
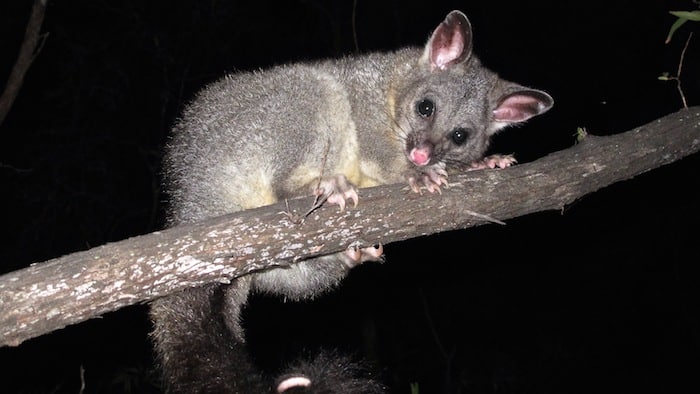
x=325, y=128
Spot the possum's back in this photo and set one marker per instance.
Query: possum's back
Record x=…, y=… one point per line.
x=250, y=139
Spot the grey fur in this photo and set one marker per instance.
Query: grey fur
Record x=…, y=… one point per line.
x=254, y=138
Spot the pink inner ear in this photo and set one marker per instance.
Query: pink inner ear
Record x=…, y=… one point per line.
x=505, y=114
x=448, y=51
x=517, y=108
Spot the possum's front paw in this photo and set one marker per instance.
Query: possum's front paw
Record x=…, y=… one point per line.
x=336, y=189
x=430, y=178
x=493, y=161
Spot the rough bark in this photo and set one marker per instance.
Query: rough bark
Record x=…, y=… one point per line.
x=67, y=290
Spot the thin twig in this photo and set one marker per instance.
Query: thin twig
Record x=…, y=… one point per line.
x=485, y=217
x=318, y=200
x=680, y=67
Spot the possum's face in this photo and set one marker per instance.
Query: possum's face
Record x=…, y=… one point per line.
x=449, y=118
x=444, y=119
x=447, y=114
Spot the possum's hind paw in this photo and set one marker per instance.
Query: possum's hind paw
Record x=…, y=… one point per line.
x=355, y=255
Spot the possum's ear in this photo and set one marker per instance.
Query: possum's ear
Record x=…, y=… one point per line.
x=450, y=44
x=519, y=106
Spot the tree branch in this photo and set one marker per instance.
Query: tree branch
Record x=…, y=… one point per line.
x=67, y=290
x=27, y=52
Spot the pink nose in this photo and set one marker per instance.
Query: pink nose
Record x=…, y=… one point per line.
x=420, y=156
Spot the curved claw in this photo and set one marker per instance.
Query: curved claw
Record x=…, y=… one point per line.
x=493, y=161
x=355, y=255
x=336, y=190
x=339, y=198
x=430, y=178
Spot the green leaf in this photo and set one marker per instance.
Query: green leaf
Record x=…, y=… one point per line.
x=678, y=23
x=689, y=15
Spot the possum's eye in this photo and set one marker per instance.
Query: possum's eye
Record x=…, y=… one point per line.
x=425, y=108
x=459, y=136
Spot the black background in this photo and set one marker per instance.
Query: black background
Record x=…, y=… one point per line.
x=600, y=298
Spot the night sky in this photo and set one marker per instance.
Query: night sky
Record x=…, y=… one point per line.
x=600, y=298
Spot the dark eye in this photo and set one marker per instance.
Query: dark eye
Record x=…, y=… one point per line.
x=425, y=108
x=459, y=136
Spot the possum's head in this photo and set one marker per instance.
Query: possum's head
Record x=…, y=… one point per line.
x=453, y=105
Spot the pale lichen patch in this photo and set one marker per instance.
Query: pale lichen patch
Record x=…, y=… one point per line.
x=84, y=290
x=53, y=313
x=49, y=290
x=593, y=168
x=219, y=233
